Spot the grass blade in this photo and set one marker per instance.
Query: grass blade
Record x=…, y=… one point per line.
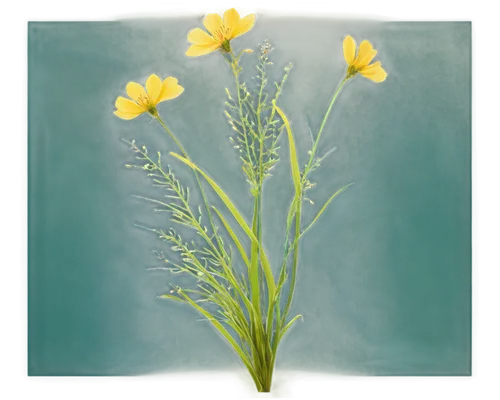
x=294, y=162
x=342, y=189
x=253, y=274
x=233, y=237
x=291, y=213
x=288, y=326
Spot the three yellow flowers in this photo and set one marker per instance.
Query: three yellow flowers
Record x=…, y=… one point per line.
x=221, y=31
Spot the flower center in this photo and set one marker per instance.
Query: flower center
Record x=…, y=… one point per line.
x=222, y=34
x=351, y=71
x=144, y=102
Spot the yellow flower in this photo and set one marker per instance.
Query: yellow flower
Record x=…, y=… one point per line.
x=360, y=62
x=222, y=31
x=146, y=100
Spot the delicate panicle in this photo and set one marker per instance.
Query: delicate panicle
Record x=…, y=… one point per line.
x=254, y=122
x=202, y=258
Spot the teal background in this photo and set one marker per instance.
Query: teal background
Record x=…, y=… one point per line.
x=384, y=281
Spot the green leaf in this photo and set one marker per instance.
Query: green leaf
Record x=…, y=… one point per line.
x=291, y=213
x=175, y=298
x=293, y=152
x=239, y=218
x=288, y=326
x=342, y=189
x=253, y=273
x=234, y=237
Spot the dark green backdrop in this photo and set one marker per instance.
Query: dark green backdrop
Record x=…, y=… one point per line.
x=385, y=277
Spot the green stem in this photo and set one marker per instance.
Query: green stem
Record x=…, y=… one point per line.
x=258, y=356
x=254, y=259
x=294, y=263
x=295, y=244
x=269, y=353
x=323, y=123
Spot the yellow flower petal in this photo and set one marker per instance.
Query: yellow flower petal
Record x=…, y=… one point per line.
x=370, y=67
x=196, y=50
x=244, y=25
x=199, y=37
x=123, y=115
x=153, y=86
x=170, y=89
x=213, y=22
x=365, y=62
x=231, y=22
x=349, y=50
x=374, y=72
x=135, y=91
x=128, y=106
x=365, y=55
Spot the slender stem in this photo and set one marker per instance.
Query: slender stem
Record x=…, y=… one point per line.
x=269, y=353
x=295, y=261
x=261, y=173
x=254, y=260
x=295, y=243
x=323, y=123
x=258, y=356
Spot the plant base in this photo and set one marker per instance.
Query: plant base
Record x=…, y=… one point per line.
x=280, y=389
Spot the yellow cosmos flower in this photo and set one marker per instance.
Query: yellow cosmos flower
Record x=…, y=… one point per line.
x=222, y=30
x=360, y=62
x=146, y=100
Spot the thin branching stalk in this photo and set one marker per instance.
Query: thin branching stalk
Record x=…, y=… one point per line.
x=200, y=186
x=312, y=154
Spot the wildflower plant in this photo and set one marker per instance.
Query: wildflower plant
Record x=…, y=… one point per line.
x=247, y=300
